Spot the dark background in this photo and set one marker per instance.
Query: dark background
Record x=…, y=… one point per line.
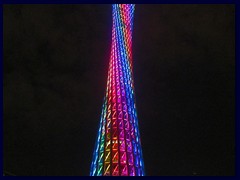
x=55, y=71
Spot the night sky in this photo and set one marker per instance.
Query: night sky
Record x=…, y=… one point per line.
x=55, y=73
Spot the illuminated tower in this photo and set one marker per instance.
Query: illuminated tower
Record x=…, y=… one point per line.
x=118, y=148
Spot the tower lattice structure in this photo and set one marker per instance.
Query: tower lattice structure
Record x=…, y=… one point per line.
x=118, y=149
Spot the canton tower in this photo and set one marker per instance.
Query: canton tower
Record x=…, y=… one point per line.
x=118, y=149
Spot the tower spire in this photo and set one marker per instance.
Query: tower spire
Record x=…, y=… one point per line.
x=118, y=149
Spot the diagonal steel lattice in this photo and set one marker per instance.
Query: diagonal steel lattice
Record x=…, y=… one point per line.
x=118, y=149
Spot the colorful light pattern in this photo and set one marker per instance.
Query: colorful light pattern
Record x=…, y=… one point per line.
x=118, y=148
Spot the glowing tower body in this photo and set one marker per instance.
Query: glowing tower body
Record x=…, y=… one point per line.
x=118, y=148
